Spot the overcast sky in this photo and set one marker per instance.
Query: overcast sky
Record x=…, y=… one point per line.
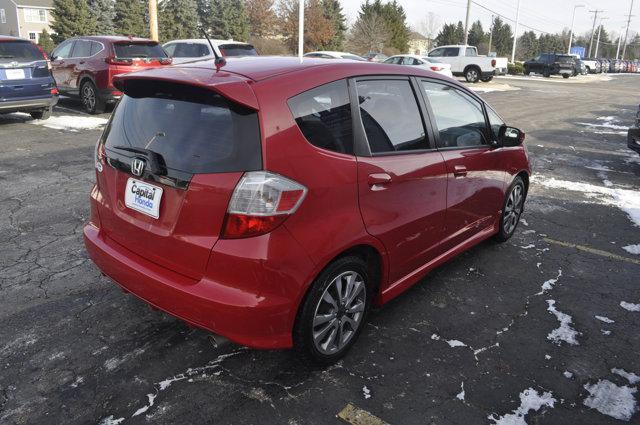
x=544, y=15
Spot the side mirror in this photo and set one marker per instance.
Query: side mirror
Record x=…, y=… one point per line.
x=510, y=136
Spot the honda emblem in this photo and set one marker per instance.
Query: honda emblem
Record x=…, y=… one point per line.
x=137, y=166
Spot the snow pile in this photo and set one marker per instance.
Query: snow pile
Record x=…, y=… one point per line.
x=625, y=199
x=611, y=400
x=565, y=332
x=492, y=87
x=630, y=306
x=72, y=123
x=632, y=249
x=529, y=400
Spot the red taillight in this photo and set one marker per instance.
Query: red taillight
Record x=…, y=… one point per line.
x=116, y=93
x=166, y=61
x=99, y=153
x=493, y=63
x=436, y=68
x=261, y=202
x=54, y=91
x=118, y=61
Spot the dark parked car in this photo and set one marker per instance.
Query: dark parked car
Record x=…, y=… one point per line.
x=85, y=66
x=580, y=69
x=633, y=138
x=26, y=84
x=549, y=64
x=213, y=202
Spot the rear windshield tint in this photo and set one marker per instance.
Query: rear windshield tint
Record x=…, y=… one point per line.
x=190, y=50
x=237, y=50
x=19, y=51
x=195, y=130
x=139, y=50
x=566, y=59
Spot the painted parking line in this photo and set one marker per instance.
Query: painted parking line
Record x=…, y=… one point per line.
x=594, y=251
x=355, y=416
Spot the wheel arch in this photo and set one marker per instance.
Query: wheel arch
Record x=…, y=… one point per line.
x=83, y=78
x=468, y=67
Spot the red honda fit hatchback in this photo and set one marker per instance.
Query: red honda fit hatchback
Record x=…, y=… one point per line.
x=273, y=201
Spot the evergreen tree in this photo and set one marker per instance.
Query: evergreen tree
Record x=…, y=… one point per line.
x=178, y=19
x=396, y=23
x=262, y=17
x=131, y=17
x=333, y=12
x=46, y=42
x=477, y=35
x=224, y=18
x=528, y=47
x=102, y=14
x=71, y=18
x=447, y=35
x=459, y=33
x=502, y=37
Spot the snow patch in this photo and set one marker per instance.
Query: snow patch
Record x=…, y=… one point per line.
x=452, y=342
x=109, y=420
x=366, y=392
x=72, y=123
x=528, y=246
x=79, y=380
x=605, y=319
x=605, y=332
x=529, y=400
x=632, y=249
x=460, y=395
x=630, y=306
x=548, y=285
x=611, y=400
x=568, y=374
x=629, y=376
x=605, y=125
x=143, y=409
x=565, y=332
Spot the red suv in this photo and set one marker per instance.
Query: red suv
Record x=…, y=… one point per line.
x=273, y=201
x=85, y=66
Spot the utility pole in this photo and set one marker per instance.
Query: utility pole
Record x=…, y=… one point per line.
x=619, y=43
x=593, y=30
x=491, y=33
x=301, y=29
x=573, y=20
x=626, y=34
x=595, y=55
x=153, y=19
x=466, y=23
x=515, y=34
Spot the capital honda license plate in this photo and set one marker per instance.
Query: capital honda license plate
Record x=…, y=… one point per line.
x=143, y=197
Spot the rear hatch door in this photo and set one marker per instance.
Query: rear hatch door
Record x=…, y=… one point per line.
x=172, y=156
x=24, y=71
x=134, y=55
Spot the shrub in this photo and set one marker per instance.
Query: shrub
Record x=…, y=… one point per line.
x=515, y=68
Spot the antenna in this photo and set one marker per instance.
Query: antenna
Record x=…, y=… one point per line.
x=219, y=61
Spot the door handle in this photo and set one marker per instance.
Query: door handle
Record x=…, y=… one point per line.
x=378, y=179
x=81, y=62
x=459, y=171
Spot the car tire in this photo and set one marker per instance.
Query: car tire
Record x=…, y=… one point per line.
x=486, y=79
x=512, y=210
x=91, y=100
x=472, y=74
x=324, y=318
x=43, y=114
x=565, y=76
x=546, y=73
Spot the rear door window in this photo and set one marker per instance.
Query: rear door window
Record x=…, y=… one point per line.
x=138, y=50
x=323, y=115
x=237, y=50
x=390, y=116
x=81, y=49
x=19, y=51
x=459, y=118
x=194, y=130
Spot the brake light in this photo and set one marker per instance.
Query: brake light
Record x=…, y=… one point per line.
x=436, y=68
x=118, y=61
x=166, y=61
x=260, y=203
x=54, y=91
x=99, y=154
x=493, y=63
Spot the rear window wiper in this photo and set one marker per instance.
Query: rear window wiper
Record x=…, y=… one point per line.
x=155, y=161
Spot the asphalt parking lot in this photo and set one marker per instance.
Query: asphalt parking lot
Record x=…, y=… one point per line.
x=543, y=328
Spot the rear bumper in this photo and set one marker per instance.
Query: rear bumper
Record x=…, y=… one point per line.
x=500, y=71
x=633, y=139
x=240, y=300
x=28, y=104
x=110, y=95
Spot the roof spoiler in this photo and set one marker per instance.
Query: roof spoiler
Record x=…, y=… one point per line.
x=231, y=87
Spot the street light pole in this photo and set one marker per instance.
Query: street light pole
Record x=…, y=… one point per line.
x=595, y=55
x=515, y=34
x=301, y=29
x=573, y=20
x=466, y=23
x=491, y=33
x=593, y=30
x=153, y=19
x=626, y=34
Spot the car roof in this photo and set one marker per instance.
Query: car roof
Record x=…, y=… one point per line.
x=204, y=41
x=331, y=52
x=111, y=38
x=11, y=38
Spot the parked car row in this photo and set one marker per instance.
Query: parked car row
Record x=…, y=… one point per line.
x=549, y=64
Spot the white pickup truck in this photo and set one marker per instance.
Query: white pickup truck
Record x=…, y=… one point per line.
x=466, y=62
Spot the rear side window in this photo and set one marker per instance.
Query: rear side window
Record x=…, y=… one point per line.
x=95, y=47
x=459, y=118
x=237, y=50
x=189, y=50
x=20, y=51
x=138, y=50
x=195, y=130
x=390, y=116
x=324, y=116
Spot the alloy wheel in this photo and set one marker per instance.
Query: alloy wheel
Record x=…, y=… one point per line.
x=339, y=313
x=513, y=209
x=88, y=97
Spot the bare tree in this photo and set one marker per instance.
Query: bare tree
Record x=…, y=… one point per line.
x=429, y=27
x=368, y=34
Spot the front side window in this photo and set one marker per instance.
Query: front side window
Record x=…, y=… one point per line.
x=63, y=51
x=323, y=115
x=459, y=117
x=390, y=116
x=451, y=51
x=437, y=52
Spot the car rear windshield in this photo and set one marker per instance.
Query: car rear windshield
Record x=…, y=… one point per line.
x=566, y=59
x=237, y=50
x=190, y=50
x=194, y=130
x=132, y=50
x=19, y=51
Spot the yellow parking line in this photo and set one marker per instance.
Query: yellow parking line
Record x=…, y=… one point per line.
x=593, y=251
x=356, y=416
